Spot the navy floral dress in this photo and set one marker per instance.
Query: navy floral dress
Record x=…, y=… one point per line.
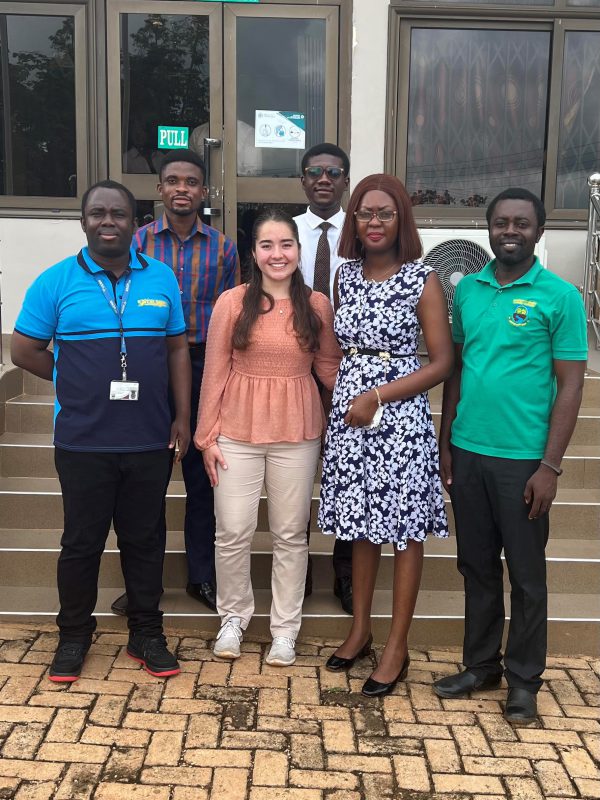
x=381, y=484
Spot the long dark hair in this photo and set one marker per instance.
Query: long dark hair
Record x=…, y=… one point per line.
x=306, y=322
x=408, y=245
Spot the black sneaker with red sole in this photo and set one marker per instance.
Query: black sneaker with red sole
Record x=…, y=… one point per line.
x=67, y=662
x=151, y=652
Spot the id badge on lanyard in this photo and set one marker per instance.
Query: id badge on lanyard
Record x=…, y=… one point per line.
x=124, y=389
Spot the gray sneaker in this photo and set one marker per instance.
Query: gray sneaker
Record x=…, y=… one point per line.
x=227, y=644
x=282, y=652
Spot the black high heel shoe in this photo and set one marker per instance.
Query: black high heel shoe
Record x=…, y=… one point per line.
x=337, y=663
x=373, y=688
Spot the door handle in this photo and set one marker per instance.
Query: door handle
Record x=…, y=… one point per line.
x=210, y=144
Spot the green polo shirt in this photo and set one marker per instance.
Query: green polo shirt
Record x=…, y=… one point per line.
x=510, y=335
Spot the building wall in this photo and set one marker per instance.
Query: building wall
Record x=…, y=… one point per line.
x=566, y=254
x=27, y=248
x=369, y=78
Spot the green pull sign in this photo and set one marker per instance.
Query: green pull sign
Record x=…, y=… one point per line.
x=172, y=138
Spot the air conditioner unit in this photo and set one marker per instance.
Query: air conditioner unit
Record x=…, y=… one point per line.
x=456, y=252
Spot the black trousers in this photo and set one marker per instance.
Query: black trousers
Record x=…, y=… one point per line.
x=199, y=526
x=491, y=515
x=127, y=489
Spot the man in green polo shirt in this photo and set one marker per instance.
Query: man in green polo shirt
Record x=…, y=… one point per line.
x=508, y=413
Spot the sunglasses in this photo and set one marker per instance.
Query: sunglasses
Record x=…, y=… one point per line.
x=367, y=216
x=332, y=172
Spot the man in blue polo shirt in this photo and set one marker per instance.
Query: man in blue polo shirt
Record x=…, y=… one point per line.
x=116, y=321
x=508, y=413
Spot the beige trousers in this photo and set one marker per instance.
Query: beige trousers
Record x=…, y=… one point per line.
x=287, y=470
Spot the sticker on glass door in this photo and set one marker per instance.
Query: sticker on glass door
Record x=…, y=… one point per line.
x=284, y=129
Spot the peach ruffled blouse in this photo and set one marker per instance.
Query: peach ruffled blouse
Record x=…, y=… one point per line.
x=265, y=393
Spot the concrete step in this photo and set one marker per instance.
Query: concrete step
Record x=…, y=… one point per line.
x=30, y=413
x=573, y=626
x=571, y=562
x=32, y=455
x=587, y=427
x=25, y=383
x=36, y=503
x=591, y=390
x=31, y=516
x=31, y=385
x=33, y=413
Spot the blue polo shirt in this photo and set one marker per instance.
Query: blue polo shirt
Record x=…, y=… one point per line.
x=511, y=336
x=66, y=304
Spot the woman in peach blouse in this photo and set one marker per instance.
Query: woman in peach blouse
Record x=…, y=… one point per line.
x=261, y=420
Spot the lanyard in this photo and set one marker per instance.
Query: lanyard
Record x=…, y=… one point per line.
x=119, y=311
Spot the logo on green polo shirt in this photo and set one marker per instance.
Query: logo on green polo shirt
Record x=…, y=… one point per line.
x=520, y=315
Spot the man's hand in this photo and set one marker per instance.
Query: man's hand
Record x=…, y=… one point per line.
x=446, y=466
x=211, y=457
x=180, y=437
x=361, y=410
x=540, y=491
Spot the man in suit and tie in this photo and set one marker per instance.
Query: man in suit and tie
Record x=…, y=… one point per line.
x=325, y=177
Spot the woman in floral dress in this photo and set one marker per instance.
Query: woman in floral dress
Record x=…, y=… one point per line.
x=380, y=470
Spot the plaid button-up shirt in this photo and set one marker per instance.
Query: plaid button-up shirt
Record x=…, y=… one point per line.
x=205, y=264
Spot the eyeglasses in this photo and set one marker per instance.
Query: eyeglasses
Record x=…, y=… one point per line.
x=332, y=172
x=382, y=216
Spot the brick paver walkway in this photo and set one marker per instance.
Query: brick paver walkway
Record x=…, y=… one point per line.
x=247, y=731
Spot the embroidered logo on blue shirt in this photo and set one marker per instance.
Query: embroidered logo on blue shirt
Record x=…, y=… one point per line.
x=150, y=301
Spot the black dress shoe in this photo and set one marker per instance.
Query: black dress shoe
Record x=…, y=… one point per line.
x=120, y=605
x=464, y=683
x=342, y=588
x=337, y=663
x=373, y=688
x=205, y=592
x=521, y=706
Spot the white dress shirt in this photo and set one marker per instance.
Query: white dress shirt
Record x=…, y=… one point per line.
x=309, y=232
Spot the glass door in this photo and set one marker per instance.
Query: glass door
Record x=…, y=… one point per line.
x=252, y=86
x=164, y=77
x=280, y=98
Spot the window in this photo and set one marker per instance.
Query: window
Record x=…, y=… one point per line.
x=38, y=102
x=579, y=140
x=476, y=114
x=486, y=103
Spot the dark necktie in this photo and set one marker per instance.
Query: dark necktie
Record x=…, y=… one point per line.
x=322, y=261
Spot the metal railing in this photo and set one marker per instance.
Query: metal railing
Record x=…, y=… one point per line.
x=591, y=272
